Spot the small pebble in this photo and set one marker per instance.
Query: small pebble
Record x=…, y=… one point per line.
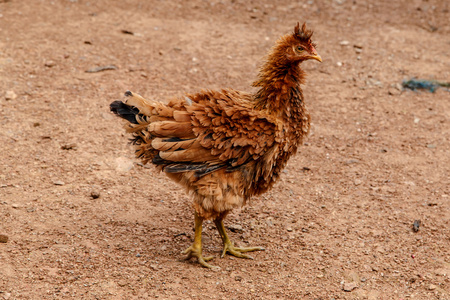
x=235, y=228
x=101, y=69
x=350, y=286
x=393, y=91
x=50, y=64
x=416, y=225
x=122, y=283
x=95, y=194
x=357, y=181
x=352, y=161
x=71, y=146
x=58, y=182
x=3, y=238
x=124, y=164
x=10, y=95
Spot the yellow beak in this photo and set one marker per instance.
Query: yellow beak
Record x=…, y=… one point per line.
x=316, y=57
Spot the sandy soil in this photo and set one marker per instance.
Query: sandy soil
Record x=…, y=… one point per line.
x=85, y=221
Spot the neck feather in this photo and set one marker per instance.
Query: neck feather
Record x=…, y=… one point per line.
x=279, y=85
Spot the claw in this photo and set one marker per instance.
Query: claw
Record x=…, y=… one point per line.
x=239, y=252
x=228, y=245
x=192, y=252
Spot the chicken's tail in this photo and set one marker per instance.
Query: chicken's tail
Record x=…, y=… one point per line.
x=124, y=111
x=152, y=124
x=136, y=108
x=139, y=113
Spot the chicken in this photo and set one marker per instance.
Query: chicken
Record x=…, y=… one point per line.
x=226, y=146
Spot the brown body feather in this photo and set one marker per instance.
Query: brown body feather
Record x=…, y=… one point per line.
x=226, y=146
x=248, y=146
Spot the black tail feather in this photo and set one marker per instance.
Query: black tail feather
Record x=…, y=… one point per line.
x=124, y=111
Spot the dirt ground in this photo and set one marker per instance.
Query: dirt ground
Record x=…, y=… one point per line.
x=84, y=220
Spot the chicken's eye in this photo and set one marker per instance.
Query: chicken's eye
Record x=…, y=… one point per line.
x=300, y=49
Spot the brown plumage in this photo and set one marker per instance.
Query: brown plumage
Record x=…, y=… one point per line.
x=226, y=146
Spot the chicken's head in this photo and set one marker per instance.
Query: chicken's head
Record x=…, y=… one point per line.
x=299, y=46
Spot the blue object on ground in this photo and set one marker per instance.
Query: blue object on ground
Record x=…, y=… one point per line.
x=422, y=84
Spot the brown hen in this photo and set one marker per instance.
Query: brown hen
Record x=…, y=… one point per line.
x=226, y=146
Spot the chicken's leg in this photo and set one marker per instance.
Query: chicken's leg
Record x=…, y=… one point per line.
x=228, y=245
x=195, y=250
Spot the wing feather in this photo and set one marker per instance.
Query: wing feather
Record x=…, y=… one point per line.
x=171, y=144
x=171, y=129
x=189, y=155
x=212, y=130
x=226, y=123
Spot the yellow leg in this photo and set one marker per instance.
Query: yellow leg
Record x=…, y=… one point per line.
x=228, y=245
x=195, y=250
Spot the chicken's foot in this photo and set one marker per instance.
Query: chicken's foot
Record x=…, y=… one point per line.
x=195, y=250
x=228, y=245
